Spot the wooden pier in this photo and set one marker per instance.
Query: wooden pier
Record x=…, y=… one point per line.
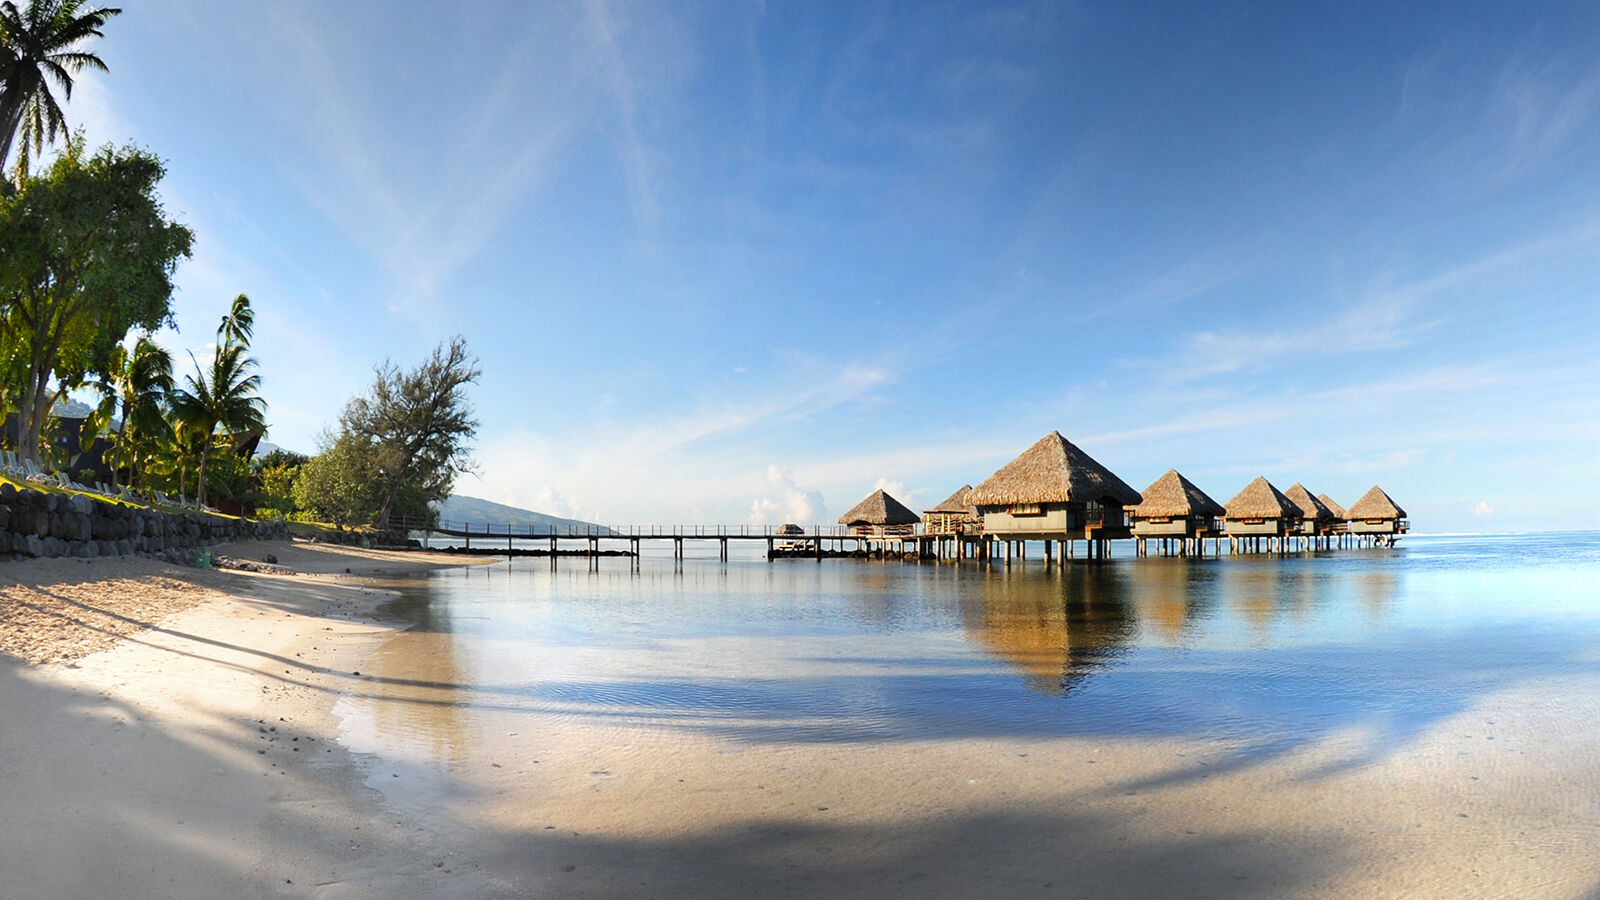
x=834, y=542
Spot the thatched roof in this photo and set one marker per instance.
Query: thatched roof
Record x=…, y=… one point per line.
x=1173, y=495
x=1375, y=504
x=955, y=503
x=880, y=509
x=1052, y=471
x=1332, y=506
x=1310, y=507
x=1260, y=500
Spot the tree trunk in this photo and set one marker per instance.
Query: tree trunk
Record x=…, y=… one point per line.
x=200, y=489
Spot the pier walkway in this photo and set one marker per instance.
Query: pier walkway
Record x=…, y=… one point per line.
x=817, y=542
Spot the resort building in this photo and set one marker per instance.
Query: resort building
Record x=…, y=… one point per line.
x=880, y=515
x=1054, y=492
x=954, y=515
x=1176, y=513
x=1376, y=514
x=1316, y=519
x=1260, y=513
x=1333, y=507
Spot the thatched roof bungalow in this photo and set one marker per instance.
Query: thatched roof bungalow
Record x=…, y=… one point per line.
x=1315, y=516
x=1173, y=507
x=1261, y=510
x=1333, y=506
x=1376, y=513
x=879, y=514
x=1054, y=491
x=953, y=515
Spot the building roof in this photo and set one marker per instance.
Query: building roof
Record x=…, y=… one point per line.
x=879, y=509
x=955, y=503
x=1310, y=507
x=1052, y=471
x=1332, y=506
x=1260, y=500
x=1175, y=496
x=1375, y=504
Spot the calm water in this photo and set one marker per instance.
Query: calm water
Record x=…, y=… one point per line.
x=1265, y=654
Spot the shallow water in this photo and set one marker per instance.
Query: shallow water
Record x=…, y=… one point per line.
x=1265, y=655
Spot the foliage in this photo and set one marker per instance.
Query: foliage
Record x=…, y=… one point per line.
x=40, y=44
x=275, y=492
x=226, y=398
x=86, y=254
x=414, y=426
x=338, y=485
x=134, y=390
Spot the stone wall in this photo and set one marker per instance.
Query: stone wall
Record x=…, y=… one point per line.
x=46, y=523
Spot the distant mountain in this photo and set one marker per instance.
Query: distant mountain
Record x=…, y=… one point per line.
x=478, y=512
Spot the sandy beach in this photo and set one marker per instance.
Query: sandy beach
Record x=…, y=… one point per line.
x=167, y=732
x=172, y=732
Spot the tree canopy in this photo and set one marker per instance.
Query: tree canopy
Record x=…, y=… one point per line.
x=87, y=253
x=410, y=433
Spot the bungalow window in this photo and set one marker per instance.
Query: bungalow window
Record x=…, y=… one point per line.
x=1025, y=509
x=1161, y=520
x=1254, y=521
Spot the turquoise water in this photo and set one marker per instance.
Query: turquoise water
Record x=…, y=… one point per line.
x=1268, y=653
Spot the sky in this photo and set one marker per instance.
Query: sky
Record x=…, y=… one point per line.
x=743, y=262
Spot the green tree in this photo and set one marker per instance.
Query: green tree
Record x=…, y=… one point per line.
x=86, y=254
x=415, y=425
x=136, y=390
x=339, y=484
x=40, y=44
x=228, y=399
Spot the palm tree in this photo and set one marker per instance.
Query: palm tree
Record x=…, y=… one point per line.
x=39, y=45
x=238, y=326
x=139, y=384
x=227, y=400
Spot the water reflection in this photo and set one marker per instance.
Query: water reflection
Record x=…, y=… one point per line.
x=1055, y=627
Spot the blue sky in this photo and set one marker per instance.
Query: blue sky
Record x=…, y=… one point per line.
x=735, y=262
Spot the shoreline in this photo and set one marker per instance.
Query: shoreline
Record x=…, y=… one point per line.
x=170, y=731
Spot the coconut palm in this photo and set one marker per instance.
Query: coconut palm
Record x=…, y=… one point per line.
x=38, y=45
x=139, y=384
x=227, y=399
x=238, y=326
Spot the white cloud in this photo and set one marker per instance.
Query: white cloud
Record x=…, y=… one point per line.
x=1483, y=510
x=895, y=489
x=785, y=500
x=550, y=502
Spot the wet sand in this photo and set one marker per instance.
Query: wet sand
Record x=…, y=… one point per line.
x=172, y=733
x=1489, y=803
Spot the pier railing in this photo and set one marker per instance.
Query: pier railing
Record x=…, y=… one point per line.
x=489, y=529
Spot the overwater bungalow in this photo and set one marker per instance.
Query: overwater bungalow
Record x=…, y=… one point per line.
x=1176, y=513
x=1316, y=519
x=953, y=515
x=1376, y=515
x=1333, y=506
x=879, y=515
x=1054, y=492
x=1260, y=512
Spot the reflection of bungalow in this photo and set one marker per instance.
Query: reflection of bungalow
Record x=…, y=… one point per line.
x=1375, y=513
x=1054, y=491
x=1172, y=508
x=879, y=515
x=954, y=515
x=1260, y=511
x=1315, y=516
